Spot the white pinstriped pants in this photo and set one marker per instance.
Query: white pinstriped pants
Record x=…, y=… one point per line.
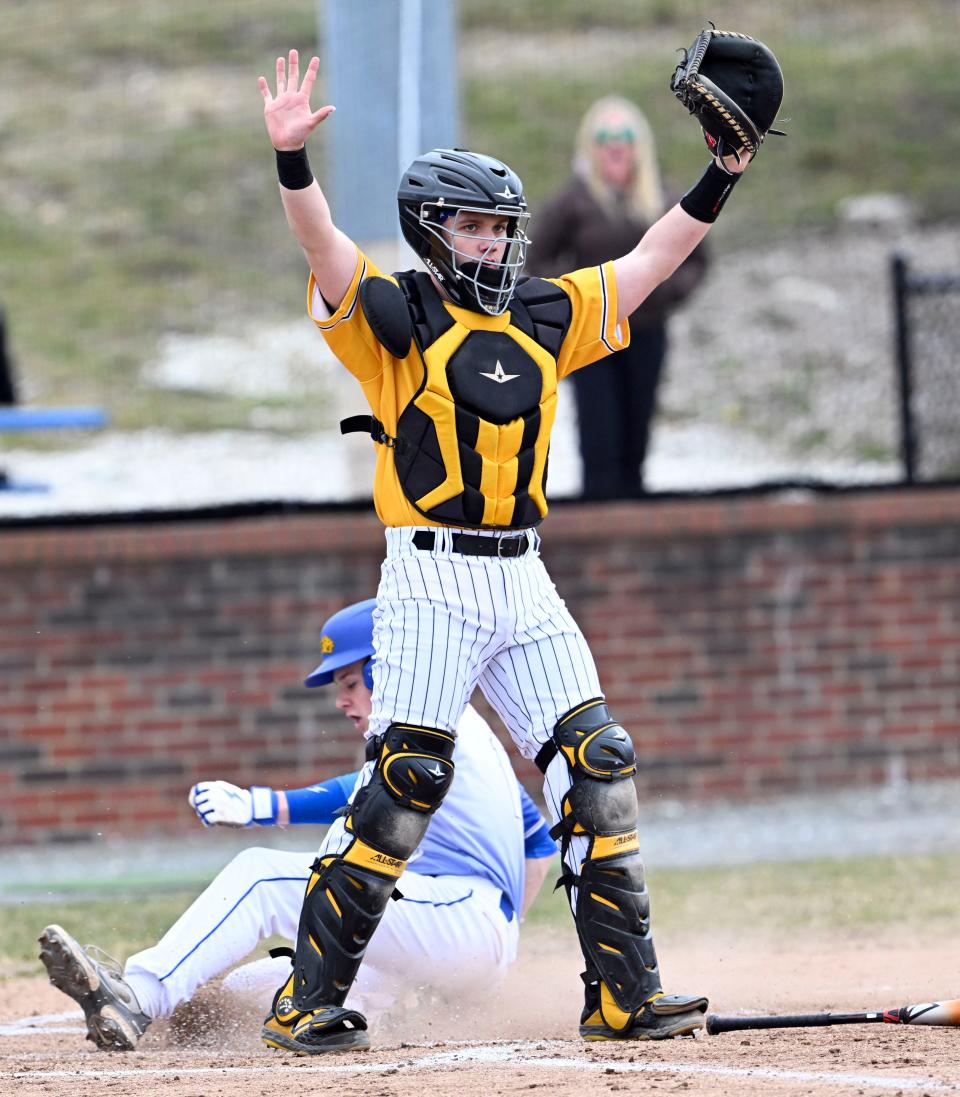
x=446, y=623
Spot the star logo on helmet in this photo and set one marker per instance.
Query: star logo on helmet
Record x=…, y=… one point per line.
x=326, y=645
x=498, y=374
x=506, y=194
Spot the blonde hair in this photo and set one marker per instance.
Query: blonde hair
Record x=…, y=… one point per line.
x=644, y=198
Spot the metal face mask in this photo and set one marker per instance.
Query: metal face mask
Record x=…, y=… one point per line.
x=483, y=264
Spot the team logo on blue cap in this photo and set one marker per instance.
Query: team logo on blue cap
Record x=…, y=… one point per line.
x=326, y=645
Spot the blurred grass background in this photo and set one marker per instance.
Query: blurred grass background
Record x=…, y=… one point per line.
x=769, y=898
x=139, y=196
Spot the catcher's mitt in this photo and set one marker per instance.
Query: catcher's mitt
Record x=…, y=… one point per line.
x=734, y=85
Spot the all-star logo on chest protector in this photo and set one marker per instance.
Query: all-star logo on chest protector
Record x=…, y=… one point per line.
x=492, y=376
x=499, y=376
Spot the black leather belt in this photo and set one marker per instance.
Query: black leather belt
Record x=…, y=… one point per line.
x=471, y=545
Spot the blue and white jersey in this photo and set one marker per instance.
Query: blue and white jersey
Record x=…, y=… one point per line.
x=478, y=829
x=486, y=826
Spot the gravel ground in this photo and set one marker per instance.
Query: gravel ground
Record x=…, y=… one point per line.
x=780, y=369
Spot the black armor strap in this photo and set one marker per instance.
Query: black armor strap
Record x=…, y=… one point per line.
x=370, y=424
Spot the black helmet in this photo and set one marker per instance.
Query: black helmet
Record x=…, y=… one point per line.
x=440, y=184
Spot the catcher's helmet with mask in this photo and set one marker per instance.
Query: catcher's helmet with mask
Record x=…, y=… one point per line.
x=443, y=185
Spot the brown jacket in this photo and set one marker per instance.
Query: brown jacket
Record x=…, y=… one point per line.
x=573, y=231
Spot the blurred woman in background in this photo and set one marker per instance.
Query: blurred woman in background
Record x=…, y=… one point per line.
x=612, y=197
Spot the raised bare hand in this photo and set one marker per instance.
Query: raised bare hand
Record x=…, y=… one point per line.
x=287, y=115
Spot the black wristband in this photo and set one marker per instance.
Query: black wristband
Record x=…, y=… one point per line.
x=705, y=199
x=293, y=168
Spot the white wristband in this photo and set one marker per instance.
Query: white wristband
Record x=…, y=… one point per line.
x=264, y=809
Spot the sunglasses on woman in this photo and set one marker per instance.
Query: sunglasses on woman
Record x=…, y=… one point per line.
x=606, y=136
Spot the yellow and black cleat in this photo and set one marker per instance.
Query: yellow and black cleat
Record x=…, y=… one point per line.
x=283, y=1015
x=276, y=1035
x=661, y=1017
x=331, y=1028
x=318, y=1032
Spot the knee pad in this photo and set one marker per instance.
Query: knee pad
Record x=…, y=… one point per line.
x=348, y=892
x=413, y=772
x=593, y=743
x=415, y=764
x=601, y=800
x=612, y=906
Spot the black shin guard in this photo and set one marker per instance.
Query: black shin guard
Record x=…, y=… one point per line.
x=611, y=907
x=613, y=920
x=348, y=892
x=342, y=907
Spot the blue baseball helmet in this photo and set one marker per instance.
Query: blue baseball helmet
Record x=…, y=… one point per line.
x=346, y=638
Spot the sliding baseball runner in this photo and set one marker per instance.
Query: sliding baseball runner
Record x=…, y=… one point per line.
x=452, y=931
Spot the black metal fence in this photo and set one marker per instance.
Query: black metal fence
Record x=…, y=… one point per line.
x=927, y=333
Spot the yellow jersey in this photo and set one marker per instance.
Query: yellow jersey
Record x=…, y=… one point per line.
x=469, y=409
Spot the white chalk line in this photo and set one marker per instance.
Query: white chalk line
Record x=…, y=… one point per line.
x=43, y=1023
x=499, y=1053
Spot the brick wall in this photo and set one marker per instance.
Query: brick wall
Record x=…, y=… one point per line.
x=750, y=646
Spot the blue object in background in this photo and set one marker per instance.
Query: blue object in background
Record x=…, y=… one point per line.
x=31, y=419
x=50, y=418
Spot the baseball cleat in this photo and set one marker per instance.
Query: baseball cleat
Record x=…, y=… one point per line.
x=664, y=1017
x=283, y=1015
x=318, y=1032
x=112, y=1012
x=331, y=1028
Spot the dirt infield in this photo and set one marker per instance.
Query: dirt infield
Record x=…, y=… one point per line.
x=526, y=1039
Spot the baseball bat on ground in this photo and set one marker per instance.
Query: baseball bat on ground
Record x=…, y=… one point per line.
x=930, y=1013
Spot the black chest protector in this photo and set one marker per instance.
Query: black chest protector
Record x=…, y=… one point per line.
x=471, y=446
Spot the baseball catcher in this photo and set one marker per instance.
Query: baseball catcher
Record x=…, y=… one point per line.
x=734, y=86
x=459, y=364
